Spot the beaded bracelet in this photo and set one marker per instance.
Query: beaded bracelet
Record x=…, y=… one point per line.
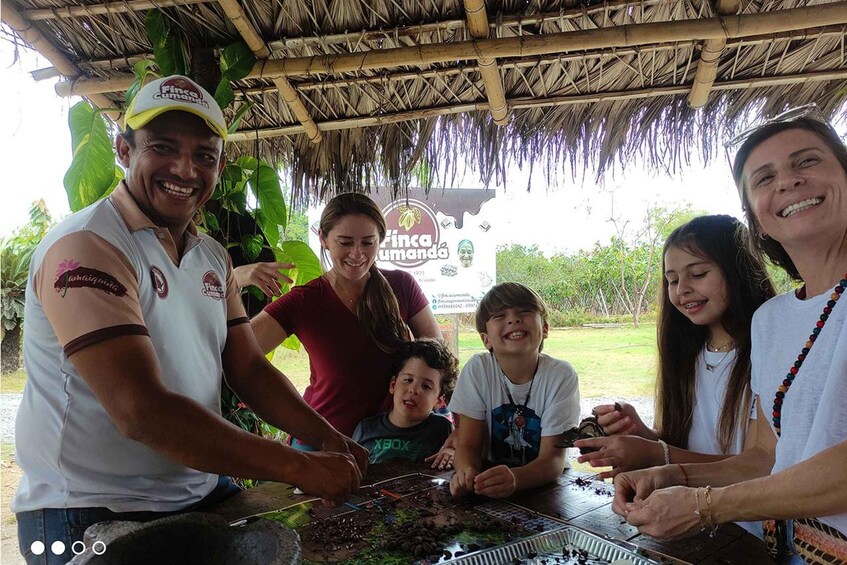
x=666, y=452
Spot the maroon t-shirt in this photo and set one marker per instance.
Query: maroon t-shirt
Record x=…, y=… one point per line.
x=349, y=373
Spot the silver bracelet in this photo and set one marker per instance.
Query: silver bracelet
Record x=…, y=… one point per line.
x=667, y=453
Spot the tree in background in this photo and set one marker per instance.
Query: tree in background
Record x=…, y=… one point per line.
x=15, y=255
x=638, y=253
x=607, y=281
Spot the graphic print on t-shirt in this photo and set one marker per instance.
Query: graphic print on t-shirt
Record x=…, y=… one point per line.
x=515, y=435
x=396, y=448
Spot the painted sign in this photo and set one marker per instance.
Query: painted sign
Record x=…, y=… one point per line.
x=447, y=240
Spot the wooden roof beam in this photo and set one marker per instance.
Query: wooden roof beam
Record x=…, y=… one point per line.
x=12, y=18
x=745, y=25
x=796, y=35
x=108, y=8
x=334, y=38
x=707, y=67
x=526, y=103
x=477, y=24
x=257, y=45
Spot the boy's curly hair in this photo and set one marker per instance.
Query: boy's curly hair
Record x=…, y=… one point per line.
x=436, y=354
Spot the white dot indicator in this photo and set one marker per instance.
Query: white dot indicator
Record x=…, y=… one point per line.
x=57, y=547
x=78, y=548
x=37, y=547
x=99, y=548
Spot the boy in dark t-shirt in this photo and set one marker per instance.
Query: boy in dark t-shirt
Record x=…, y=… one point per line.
x=425, y=371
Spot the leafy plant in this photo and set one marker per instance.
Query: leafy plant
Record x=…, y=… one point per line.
x=15, y=255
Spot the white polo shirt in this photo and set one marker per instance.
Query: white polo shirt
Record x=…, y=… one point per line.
x=104, y=272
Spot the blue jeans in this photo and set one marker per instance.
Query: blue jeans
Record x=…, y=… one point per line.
x=67, y=525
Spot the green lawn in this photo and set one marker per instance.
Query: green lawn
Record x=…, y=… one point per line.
x=13, y=382
x=611, y=362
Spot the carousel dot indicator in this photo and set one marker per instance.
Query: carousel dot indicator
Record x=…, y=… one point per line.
x=57, y=547
x=78, y=548
x=37, y=548
x=98, y=547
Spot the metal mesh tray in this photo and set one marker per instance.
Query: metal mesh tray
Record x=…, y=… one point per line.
x=549, y=545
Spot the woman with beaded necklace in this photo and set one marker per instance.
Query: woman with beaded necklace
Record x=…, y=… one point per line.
x=791, y=173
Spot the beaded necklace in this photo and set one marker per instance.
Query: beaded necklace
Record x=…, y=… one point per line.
x=792, y=372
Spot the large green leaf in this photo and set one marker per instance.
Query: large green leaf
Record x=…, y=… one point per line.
x=265, y=185
x=247, y=163
x=239, y=114
x=92, y=171
x=307, y=265
x=211, y=221
x=237, y=60
x=269, y=228
x=224, y=95
x=168, y=48
x=251, y=245
x=141, y=69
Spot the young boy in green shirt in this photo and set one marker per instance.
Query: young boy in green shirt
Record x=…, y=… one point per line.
x=425, y=372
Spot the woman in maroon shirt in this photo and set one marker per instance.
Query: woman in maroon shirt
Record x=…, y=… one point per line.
x=352, y=318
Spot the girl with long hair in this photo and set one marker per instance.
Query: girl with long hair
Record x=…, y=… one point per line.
x=711, y=287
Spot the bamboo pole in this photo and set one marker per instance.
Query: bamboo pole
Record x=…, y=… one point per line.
x=526, y=103
x=622, y=36
x=707, y=67
x=257, y=45
x=32, y=36
x=110, y=64
x=491, y=80
x=108, y=8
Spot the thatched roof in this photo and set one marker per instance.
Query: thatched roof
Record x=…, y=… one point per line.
x=357, y=92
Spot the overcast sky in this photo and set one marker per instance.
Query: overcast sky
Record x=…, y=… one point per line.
x=37, y=151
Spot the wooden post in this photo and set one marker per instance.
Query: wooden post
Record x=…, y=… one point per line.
x=710, y=56
x=450, y=333
x=492, y=81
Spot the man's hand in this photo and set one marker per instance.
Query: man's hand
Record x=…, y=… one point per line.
x=622, y=418
x=264, y=276
x=496, y=482
x=339, y=443
x=329, y=475
x=621, y=453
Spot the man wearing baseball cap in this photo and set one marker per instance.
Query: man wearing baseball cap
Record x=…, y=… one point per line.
x=132, y=317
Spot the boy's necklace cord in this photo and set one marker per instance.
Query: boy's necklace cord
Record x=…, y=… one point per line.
x=506, y=385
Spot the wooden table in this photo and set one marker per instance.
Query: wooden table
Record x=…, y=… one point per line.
x=587, y=507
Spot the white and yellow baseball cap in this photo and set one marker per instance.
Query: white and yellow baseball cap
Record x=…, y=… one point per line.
x=175, y=93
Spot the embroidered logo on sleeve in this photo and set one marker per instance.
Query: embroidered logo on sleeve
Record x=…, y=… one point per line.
x=73, y=275
x=212, y=286
x=160, y=283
